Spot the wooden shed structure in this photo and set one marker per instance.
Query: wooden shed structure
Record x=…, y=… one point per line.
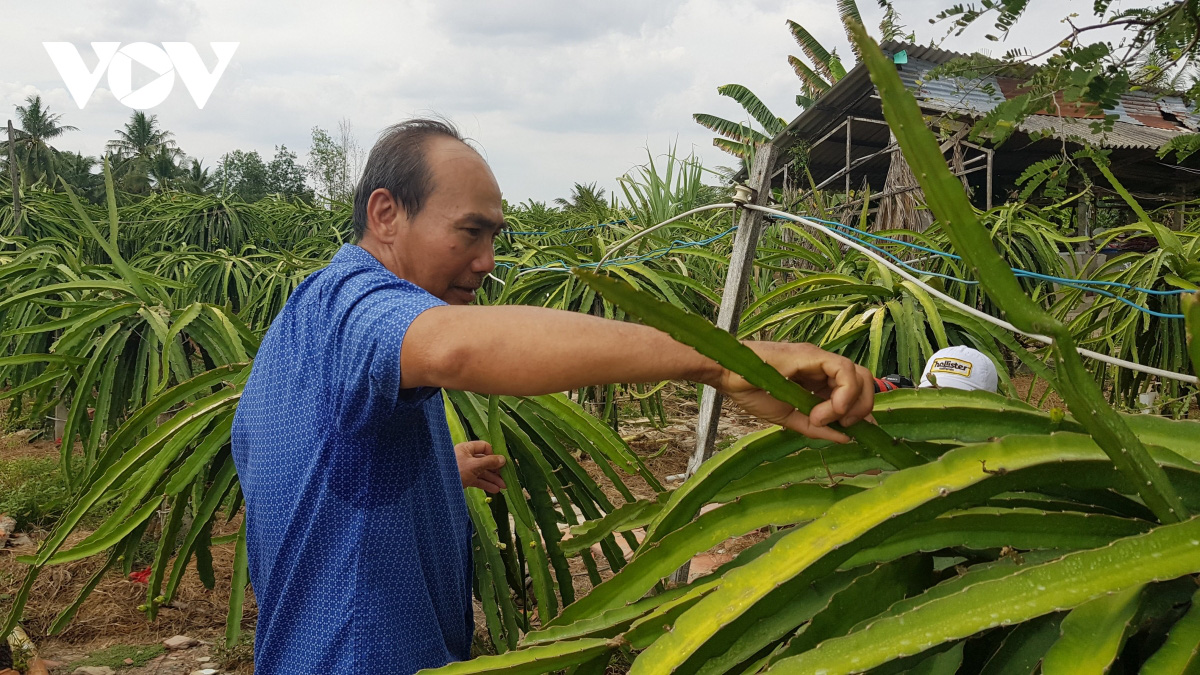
x=849, y=148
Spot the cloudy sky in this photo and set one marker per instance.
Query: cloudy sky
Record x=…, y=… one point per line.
x=553, y=91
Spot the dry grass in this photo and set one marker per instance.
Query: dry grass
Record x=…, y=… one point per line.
x=1041, y=395
x=109, y=615
x=17, y=446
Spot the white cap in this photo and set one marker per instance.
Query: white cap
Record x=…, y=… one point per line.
x=960, y=368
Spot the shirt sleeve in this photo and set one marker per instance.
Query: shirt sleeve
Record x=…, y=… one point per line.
x=372, y=335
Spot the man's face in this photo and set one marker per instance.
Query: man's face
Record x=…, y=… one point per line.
x=447, y=249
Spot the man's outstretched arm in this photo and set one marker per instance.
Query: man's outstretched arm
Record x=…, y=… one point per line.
x=526, y=351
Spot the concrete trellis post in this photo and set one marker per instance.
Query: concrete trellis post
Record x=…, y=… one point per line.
x=741, y=263
x=16, y=180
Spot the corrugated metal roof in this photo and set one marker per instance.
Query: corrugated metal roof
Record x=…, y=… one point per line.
x=949, y=93
x=854, y=95
x=1177, y=108
x=1122, y=135
x=1141, y=122
x=1140, y=103
x=931, y=54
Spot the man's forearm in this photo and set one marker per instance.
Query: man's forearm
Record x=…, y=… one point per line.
x=525, y=351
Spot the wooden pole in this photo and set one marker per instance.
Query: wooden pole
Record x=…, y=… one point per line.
x=988, y=194
x=15, y=177
x=61, y=411
x=1177, y=216
x=848, y=119
x=741, y=263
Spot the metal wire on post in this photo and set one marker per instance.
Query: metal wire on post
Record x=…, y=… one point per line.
x=903, y=268
x=1149, y=370
x=648, y=230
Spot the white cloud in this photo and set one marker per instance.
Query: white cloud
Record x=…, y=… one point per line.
x=554, y=92
x=550, y=21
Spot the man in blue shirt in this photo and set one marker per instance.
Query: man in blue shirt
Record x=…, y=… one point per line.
x=358, y=536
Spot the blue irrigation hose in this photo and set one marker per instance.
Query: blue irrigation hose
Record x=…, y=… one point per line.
x=569, y=229
x=1079, y=284
x=678, y=244
x=1017, y=271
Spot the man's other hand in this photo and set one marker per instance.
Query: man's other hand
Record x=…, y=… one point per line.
x=478, y=467
x=848, y=389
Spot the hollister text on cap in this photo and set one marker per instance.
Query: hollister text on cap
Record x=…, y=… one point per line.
x=960, y=368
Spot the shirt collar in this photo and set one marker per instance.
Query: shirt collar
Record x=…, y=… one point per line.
x=353, y=254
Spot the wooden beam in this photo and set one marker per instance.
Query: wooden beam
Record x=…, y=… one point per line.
x=831, y=132
x=842, y=171
x=848, y=146
x=910, y=188
x=867, y=120
x=988, y=195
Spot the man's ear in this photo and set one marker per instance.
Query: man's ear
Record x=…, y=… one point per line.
x=384, y=215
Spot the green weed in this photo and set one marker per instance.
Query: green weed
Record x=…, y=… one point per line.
x=114, y=657
x=32, y=491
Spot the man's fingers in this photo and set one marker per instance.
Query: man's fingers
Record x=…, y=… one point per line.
x=801, y=423
x=846, y=385
x=489, y=462
x=490, y=481
x=479, y=467
x=822, y=414
x=866, y=398
x=471, y=448
x=491, y=486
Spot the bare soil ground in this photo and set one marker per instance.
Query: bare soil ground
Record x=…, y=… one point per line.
x=110, y=617
x=17, y=445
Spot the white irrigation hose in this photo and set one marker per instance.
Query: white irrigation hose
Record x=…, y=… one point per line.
x=967, y=308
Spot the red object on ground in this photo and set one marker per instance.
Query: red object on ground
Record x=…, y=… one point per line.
x=142, y=577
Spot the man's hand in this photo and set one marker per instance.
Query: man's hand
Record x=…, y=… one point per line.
x=478, y=467
x=848, y=389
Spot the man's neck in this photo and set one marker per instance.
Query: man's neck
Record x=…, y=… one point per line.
x=383, y=254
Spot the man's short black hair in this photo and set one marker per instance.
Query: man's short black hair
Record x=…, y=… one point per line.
x=398, y=164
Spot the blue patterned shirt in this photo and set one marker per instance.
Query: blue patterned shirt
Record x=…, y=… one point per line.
x=357, y=532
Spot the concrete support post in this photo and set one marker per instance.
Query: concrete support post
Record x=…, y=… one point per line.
x=741, y=264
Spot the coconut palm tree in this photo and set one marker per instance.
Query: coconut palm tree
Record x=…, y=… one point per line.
x=35, y=156
x=584, y=197
x=77, y=170
x=141, y=137
x=166, y=168
x=142, y=152
x=131, y=173
x=196, y=179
